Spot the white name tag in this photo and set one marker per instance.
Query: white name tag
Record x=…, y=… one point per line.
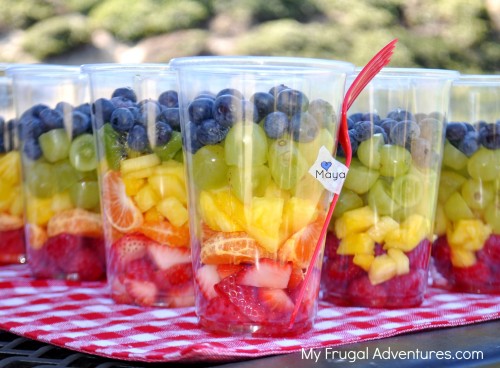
x=328, y=171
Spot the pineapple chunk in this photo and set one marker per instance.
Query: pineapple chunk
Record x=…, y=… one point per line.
x=401, y=259
x=169, y=185
x=355, y=221
x=7, y=196
x=17, y=206
x=214, y=217
x=133, y=185
x=139, y=163
x=273, y=191
x=153, y=215
x=231, y=206
x=171, y=167
x=469, y=235
x=363, y=260
x=140, y=174
x=264, y=218
x=61, y=201
x=146, y=198
x=378, y=231
x=356, y=244
x=383, y=268
x=173, y=210
x=441, y=222
x=39, y=210
x=297, y=214
x=10, y=168
x=411, y=232
x=462, y=257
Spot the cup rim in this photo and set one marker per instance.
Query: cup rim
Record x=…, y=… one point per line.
x=42, y=70
x=479, y=79
x=124, y=67
x=393, y=72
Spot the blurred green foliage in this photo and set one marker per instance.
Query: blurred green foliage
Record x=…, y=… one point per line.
x=24, y=13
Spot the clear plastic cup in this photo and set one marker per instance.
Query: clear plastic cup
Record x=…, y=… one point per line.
x=252, y=128
x=144, y=200
x=466, y=254
x=12, y=249
x=63, y=227
x=379, y=240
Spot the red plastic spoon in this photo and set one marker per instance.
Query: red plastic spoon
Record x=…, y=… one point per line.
x=381, y=59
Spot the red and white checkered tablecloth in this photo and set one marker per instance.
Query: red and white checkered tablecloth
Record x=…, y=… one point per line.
x=81, y=317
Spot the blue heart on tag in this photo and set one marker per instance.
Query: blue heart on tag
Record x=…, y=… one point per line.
x=326, y=165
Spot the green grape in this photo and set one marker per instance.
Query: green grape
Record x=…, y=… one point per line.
x=477, y=194
x=369, y=151
x=484, y=165
x=449, y=183
x=168, y=150
x=394, y=160
x=492, y=216
x=455, y=208
x=407, y=190
x=41, y=180
x=82, y=153
x=380, y=200
x=114, y=150
x=209, y=167
x=54, y=144
x=179, y=156
x=85, y=194
x=86, y=175
x=348, y=200
x=453, y=158
x=248, y=182
x=286, y=163
x=246, y=145
x=360, y=178
x=310, y=150
x=66, y=175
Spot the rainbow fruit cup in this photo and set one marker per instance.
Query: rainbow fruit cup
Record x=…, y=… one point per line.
x=466, y=254
x=144, y=200
x=64, y=236
x=379, y=243
x=12, y=249
x=252, y=128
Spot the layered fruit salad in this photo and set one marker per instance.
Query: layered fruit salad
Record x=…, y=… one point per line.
x=11, y=200
x=466, y=254
x=144, y=199
x=257, y=211
x=378, y=244
x=63, y=224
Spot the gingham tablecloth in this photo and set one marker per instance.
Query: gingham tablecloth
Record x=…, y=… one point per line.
x=81, y=317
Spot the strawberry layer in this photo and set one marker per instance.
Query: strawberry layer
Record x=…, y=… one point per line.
x=67, y=256
x=482, y=277
x=347, y=284
x=12, y=246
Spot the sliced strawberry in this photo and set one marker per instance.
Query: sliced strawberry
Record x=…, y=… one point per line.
x=362, y=293
x=220, y=309
x=265, y=273
x=127, y=249
x=62, y=248
x=475, y=276
x=174, y=276
x=277, y=303
x=12, y=245
x=296, y=278
x=442, y=257
x=419, y=256
x=226, y=269
x=491, y=251
x=142, y=292
x=406, y=290
x=86, y=264
x=165, y=257
x=182, y=296
x=139, y=269
x=245, y=298
x=339, y=271
x=206, y=277
x=119, y=293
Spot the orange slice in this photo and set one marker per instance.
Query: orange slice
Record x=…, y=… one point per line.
x=10, y=222
x=75, y=221
x=232, y=247
x=164, y=232
x=37, y=236
x=119, y=209
x=300, y=246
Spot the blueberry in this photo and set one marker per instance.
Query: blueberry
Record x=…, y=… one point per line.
x=32, y=149
x=304, y=127
x=211, y=132
x=291, y=101
x=387, y=125
x=363, y=130
x=230, y=91
x=163, y=133
x=357, y=116
x=121, y=101
x=50, y=119
x=31, y=128
x=138, y=138
x=354, y=144
x=264, y=104
x=64, y=108
x=125, y=92
x=149, y=110
x=169, y=99
x=489, y=136
x=84, y=108
x=190, y=137
x=276, y=124
x=136, y=113
x=102, y=109
x=374, y=118
x=323, y=112
x=419, y=116
x=250, y=113
x=37, y=109
x=81, y=123
x=455, y=131
x=480, y=124
x=469, y=144
x=404, y=132
x=2, y=131
x=122, y=120
x=274, y=91
x=171, y=117
x=205, y=94
x=350, y=124
x=11, y=143
x=201, y=109
x=227, y=110
x=400, y=115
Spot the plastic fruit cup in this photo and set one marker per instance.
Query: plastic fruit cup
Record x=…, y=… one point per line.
x=144, y=200
x=63, y=228
x=252, y=128
x=11, y=200
x=466, y=254
x=379, y=243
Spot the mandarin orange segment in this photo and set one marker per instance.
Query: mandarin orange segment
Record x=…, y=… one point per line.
x=164, y=232
x=75, y=221
x=232, y=247
x=119, y=209
x=37, y=236
x=10, y=222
